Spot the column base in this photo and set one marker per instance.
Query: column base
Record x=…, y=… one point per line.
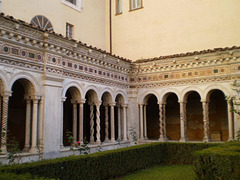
x=183, y=139
x=26, y=148
x=206, y=139
x=112, y=141
x=33, y=150
x=3, y=149
x=162, y=139
x=230, y=139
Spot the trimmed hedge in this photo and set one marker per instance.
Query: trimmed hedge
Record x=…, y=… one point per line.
x=221, y=162
x=11, y=176
x=110, y=164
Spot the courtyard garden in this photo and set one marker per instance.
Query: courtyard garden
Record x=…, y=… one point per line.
x=188, y=160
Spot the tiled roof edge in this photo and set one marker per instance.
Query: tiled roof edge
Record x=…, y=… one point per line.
x=11, y=18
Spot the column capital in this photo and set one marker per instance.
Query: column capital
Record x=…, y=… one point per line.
x=6, y=93
x=112, y=104
x=161, y=103
x=64, y=99
x=140, y=104
x=97, y=103
x=82, y=101
x=182, y=101
x=205, y=101
x=124, y=105
x=73, y=101
x=35, y=97
x=27, y=97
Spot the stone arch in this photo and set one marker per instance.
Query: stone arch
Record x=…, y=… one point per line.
x=30, y=83
x=23, y=97
x=122, y=94
x=211, y=88
x=71, y=113
x=185, y=92
x=194, y=115
x=217, y=108
x=151, y=116
x=164, y=94
x=142, y=97
x=75, y=89
x=3, y=82
x=171, y=118
x=92, y=92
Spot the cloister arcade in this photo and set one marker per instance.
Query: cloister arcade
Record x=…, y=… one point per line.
x=192, y=115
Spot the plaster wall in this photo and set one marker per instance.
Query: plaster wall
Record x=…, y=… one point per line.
x=88, y=23
x=164, y=27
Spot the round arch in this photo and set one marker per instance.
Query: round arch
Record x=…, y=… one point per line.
x=32, y=85
x=72, y=85
x=142, y=96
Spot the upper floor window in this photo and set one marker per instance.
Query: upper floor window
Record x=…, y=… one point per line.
x=69, y=30
x=75, y=4
x=72, y=1
x=42, y=22
x=135, y=4
x=118, y=6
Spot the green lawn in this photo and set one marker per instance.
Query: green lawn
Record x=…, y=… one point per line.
x=173, y=172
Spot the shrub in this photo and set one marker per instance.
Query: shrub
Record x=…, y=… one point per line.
x=11, y=176
x=221, y=162
x=110, y=164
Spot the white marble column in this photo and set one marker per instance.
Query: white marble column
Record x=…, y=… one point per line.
x=4, y=121
x=98, y=141
x=91, y=123
x=119, y=123
x=74, y=128
x=230, y=122
x=61, y=124
x=145, y=121
x=27, y=124
x=141, y=121
x=41, y=125
x=124, y=122
x=112, y=122
x=80, y=127
x=183, y=121
x=34, y=126
x=205, y=106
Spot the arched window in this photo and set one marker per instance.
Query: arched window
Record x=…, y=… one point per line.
x=42, y=22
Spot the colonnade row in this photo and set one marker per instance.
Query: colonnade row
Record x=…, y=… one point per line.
x=183, y=121
x=94, y=121
x=33, y=122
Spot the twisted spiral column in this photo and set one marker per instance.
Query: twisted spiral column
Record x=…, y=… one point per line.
x=106, y=123
x=91, y=123
x=161, y=137
x=4, y=121
x=98, y=123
